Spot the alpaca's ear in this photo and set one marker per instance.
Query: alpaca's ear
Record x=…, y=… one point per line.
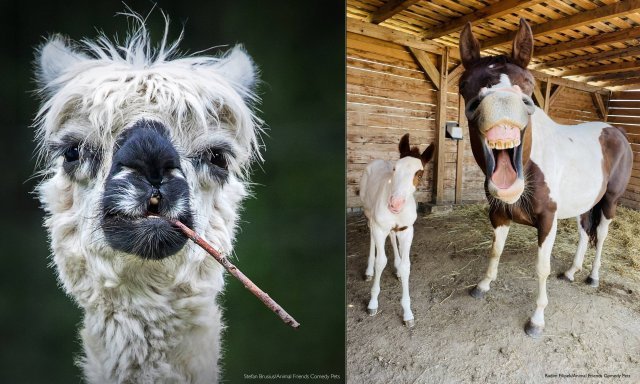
x=238, y=67
x=54, y=58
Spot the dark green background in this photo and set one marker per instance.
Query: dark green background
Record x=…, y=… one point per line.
x=292, y=238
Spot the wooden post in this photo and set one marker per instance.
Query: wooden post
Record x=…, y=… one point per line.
x=547, y=95
x=441, y=118
x=460, y=152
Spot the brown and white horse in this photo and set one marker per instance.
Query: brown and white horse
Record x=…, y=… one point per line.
x=538, y=171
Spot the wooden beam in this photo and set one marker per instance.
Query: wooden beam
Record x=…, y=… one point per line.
x=555, y=95
x=614, y=53
x=492, y=11
x=579, y=19
x=547, y=96
x=427, y=66
x=537, y=94
x=607, y=68
x=389, y=9
x=591, y=41
x=611, y=83
x=454, y=75
x=624, y=87
x=613, y=76
x=460, y=152
x=599, y=103
x=568, y=83
x=391, y=35
x=441, y=118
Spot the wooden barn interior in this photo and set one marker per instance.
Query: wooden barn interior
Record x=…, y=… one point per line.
x=403, y=68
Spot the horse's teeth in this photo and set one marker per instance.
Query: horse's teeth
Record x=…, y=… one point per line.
x=500, y=144
x=492, y=144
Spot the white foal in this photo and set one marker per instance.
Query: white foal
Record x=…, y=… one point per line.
x=386, y=190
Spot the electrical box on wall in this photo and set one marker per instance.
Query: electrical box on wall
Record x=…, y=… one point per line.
x=453, y=131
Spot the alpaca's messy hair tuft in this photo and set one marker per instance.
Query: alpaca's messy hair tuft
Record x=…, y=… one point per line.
x=107, y=83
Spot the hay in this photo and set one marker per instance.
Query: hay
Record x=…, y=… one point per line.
x=621, y=250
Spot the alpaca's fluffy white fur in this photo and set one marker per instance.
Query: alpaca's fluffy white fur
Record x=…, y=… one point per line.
x=145, y=321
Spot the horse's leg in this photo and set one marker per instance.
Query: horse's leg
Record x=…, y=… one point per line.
x=379, y=238
x=579, y=257
x=405, y=238
x=499, y=237
x=602, y=231
x=546, y=237
x=368, y=275
x=396, y=254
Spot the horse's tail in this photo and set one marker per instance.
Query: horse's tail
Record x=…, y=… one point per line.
x=590, y=221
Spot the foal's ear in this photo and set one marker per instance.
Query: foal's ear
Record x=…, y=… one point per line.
x=469, y=46
x=427, y=154
x=54, y=58
x=238, y=67
x=522, y=45
x=404, y=147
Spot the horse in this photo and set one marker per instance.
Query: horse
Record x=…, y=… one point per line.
x=538, y=171
x=386, y=191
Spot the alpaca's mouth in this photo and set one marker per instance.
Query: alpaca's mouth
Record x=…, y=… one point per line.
x=149, y=236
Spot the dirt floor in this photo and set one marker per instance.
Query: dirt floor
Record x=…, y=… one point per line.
x=591, y=334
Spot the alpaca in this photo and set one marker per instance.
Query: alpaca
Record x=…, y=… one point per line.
x=386, y=191
x=128, y=130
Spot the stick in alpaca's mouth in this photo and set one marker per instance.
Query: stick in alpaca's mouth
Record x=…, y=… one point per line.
x=232, y=269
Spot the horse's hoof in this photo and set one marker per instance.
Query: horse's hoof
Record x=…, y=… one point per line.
x=372, y=312
x=562, y=276
x=477, y=293
x=592, y=282
x=533, y=330
x=409, y=323
x=368, y=277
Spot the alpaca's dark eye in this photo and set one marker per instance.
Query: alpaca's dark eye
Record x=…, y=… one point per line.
x=72, y=154
x=217, y=158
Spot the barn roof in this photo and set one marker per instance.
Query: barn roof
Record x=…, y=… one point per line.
x=594, y=42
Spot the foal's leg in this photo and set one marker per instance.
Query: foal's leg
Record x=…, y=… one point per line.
x=579, y=257
x=405, y=238
x=499, y=237
x=536, y=324
x=379, y=238
x=602, y=231
x=396, y=254
x=368, y=275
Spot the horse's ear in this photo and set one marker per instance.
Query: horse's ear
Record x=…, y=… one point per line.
x=427, y=154
x=238, y=67
x=54, y=58
x=404, y=147
x=469, y=46
x=522, y=45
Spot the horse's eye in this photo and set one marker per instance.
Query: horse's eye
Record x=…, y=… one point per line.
x=72, y=154
x=217, y=158
x=463, y=85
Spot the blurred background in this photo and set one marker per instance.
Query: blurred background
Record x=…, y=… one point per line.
x=292, y=238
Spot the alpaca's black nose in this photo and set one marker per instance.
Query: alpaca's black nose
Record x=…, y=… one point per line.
x=146, y=149
x=145, y=178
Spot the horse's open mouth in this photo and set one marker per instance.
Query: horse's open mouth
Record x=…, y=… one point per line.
x=503, y=153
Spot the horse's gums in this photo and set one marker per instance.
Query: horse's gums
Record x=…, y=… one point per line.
x=232, y=269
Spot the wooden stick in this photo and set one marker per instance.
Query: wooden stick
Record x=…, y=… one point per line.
x=263, y=296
